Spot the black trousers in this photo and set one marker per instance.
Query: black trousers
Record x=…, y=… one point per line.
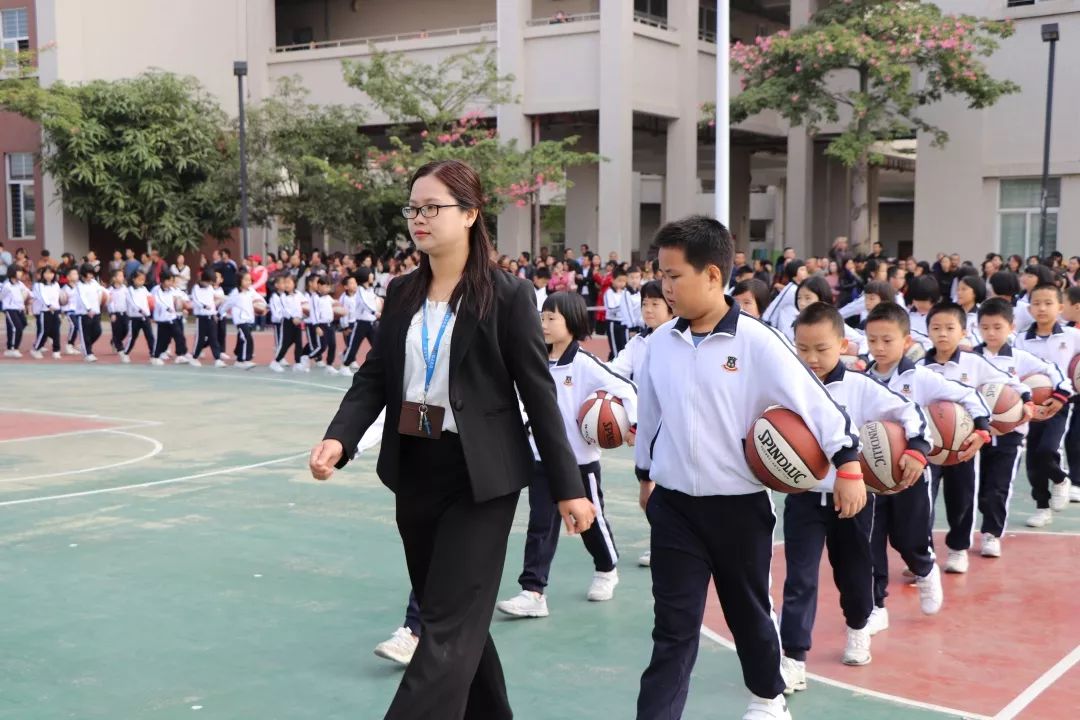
x=1072, y=441
x=171, y=332
x=119, y=325
x=1043, y=460
x=89, y=332
x=48, y=328
x=222, y=331
x=361, y=330
x=903, y=521
x=16, y=324
x=324, y=343
x=997, y=470
x=542, y=537
x=455, y=549
x=617, y=337
x=245, y=344
x=137, y=325
x=206, y=335
x=290, y=335
x=73, y=328
x=726, y=539
x=810, y=524
x=961, y=483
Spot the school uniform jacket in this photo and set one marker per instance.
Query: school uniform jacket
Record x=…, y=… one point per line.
x=923, y=386
x=629, y=362
x=240, y=305
x=711, y=396
x=631, y=309
x=46, y=297
x=783, y=310
x=118, y=300
x=613, y=305
x=138, y=305
x=1017, y=363
x=488, y=357
x=866, y=399
x=164, y=304
x=1059, y=348
x=973, y=370
x=13, y=295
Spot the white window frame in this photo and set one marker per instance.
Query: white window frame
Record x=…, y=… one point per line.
x=22, y=183
x=14, y=43
x=1032, y=217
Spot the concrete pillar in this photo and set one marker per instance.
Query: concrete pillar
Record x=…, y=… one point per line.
x=513, y=230
x=680, y=173
x=581, y=206
x=798, y=208
x=616, y=129
x=739, y=199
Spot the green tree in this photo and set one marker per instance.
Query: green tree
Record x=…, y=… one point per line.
x=136, y=156
x=902, y=55
x=439, y=115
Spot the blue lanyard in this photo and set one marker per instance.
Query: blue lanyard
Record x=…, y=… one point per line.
x=429, y=360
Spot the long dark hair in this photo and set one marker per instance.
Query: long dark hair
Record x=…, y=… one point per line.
x=476, y=289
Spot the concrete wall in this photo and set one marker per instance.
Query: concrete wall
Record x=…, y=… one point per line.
x=548, y=8
x=336, y=19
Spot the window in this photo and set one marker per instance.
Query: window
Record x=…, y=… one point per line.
x=21, y=207
x=652, y=10
x=14, y=34
x=707, y=22
x=1019, y=216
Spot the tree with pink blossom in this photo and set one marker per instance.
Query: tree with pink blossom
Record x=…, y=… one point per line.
x=870, y=67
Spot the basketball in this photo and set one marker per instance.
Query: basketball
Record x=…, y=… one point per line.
x=602, y=420
x=1074, y=373
x=178, y=303
x=259, y=307
x=950, y=426
x=783, y=454
x=1006, y=407
x=1041, y=387
x=851, y=348
x=883, y=444
x=340, y=310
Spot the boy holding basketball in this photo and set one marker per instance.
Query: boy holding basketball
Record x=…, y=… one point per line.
x=904, y=520
x=1048, y=340
x=947, y=323
x=811, y=520
x=707, y=377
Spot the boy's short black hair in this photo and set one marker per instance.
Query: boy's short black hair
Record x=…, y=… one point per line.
x=86, y=269
x=1073, y=295
x=820, y=287
x=618, y=271
x=361, y=275
x=744, y=270
x=165, y=275
x=997, y=307
x=890, y=312
x=819, y=312
x=925, y=287
x=882, y=289
x=1005, y=282
x=633, y=269
x=893, y=270
x=948, y=308
x=703, y=240
x=573, y=309
x=755, y=287
x=542, y=273
x=208, y=274
x=1049, y=287
x=138, y=273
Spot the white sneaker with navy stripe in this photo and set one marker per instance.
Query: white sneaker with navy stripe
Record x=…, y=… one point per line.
x=767, y=709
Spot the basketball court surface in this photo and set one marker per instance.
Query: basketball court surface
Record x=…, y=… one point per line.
x=164, y=553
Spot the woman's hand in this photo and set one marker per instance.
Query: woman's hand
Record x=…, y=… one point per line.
x=577, y=514
x=324, y=457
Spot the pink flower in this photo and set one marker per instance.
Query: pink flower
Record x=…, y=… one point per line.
x=359, y=186
x=444, y=138
x=423, y=133
x=795, y=98
x=520, y=203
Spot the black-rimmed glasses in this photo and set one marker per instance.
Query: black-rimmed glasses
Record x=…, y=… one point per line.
x=429, y=211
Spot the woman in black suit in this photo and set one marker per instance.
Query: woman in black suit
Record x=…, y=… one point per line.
x=456, y=337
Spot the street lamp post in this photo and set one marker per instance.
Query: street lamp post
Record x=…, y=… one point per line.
x=1050, y=34
x=240, y=69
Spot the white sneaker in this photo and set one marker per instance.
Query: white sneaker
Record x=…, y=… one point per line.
x=321, y=364
x=957, y=562
x=56, y=356
x=225, y=356
x=931, y=594
x=346, y=372
x=331, y=370
x=192, y=362
x=1041, y=518
x=991, y=546
x=181, y=359
x=124, y=358
x=9, y=353
x=399, y=648
x=301, y=368
x=306, y=363
x=646, y=559
x=525, y=604
x=794, y=674
x=767, y=709
x=354, y=366
x=220, y=362
x=166, y=356
x=284, y=363
x=70, y=350
x=246, y=365
x=1074, y=493
x=91, y=358
x=36, y=354
x=276, y=367
x=1059, y=495
x=602, y=586
x=157, y=361
x=857, y=650
x=878, y=621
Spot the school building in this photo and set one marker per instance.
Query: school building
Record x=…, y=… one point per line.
x=629, y=77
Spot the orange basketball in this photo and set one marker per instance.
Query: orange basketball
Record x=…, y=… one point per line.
x=1006, y=407
x=1042, y=387
x=783, y=454
x=883, y=445
x=950, y=426
x=602, y=420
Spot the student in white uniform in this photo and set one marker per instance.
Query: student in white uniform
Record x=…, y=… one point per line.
x=139, y=316
x=205, y=307
x=614, y=312
x=782, y=311
x=117, y=308
x=13, y=298
x=240, y=304
x=88, y=311
x=46, y=307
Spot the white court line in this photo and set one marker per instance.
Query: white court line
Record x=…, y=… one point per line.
x=87, y=416
x=52, y=436
x=158, y=447
x=1036, y=688
x=223, y=374
x=721, y=640
x=183, y=478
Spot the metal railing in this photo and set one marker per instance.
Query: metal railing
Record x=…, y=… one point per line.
x=562, y=20
x=652, y=21
x=379, y=39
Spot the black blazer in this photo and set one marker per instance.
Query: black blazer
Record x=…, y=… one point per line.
x=487, y=359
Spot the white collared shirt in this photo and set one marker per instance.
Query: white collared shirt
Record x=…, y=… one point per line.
x=416, y=367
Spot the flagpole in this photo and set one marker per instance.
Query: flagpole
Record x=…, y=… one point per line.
x=722, y=208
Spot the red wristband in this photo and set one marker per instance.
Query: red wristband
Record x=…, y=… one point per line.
x=916, y=455
x=841, y=475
